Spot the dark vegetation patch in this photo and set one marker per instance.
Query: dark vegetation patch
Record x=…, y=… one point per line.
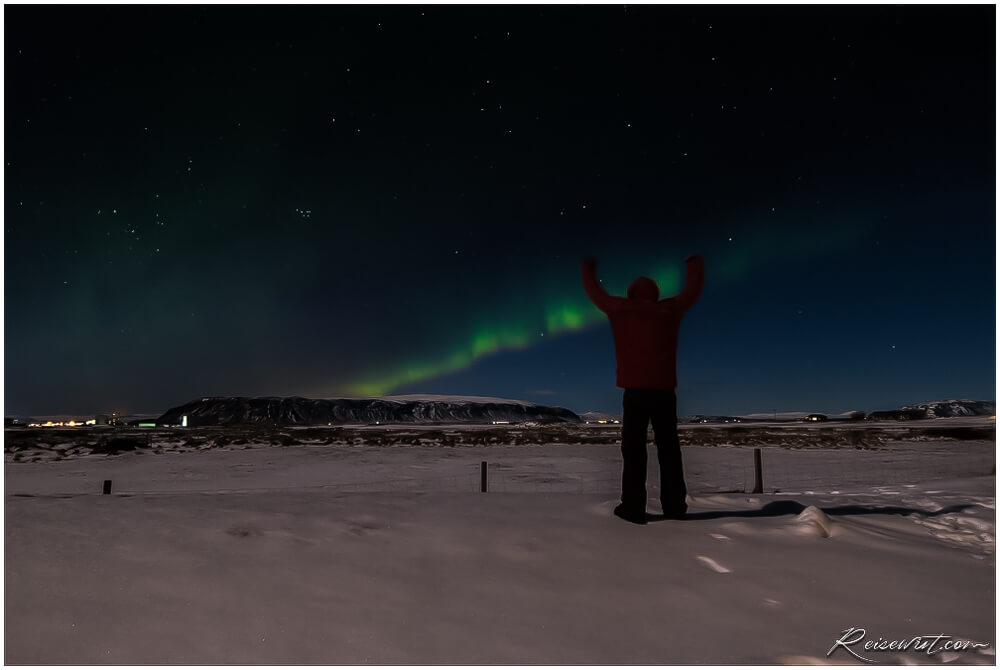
x=25, y=445
x=963, y=432
x=118, y=445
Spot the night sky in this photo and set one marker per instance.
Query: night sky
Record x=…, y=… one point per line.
x=333, y=201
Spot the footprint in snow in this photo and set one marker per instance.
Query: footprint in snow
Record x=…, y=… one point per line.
x=244, y=530
x=360, y=525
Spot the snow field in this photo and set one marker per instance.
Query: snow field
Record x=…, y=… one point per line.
x=250, y=556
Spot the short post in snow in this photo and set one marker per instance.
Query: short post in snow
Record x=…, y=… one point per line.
x=482, y=478
x=107, y=487
x=758, y=472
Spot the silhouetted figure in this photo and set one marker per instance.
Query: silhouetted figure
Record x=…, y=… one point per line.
x=645, y=331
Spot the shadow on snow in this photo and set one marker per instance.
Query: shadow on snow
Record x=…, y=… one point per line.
x=788, y=507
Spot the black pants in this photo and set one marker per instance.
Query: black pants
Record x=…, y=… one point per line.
x=659, y=407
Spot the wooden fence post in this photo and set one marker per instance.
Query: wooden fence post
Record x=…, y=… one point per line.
x=758, y=472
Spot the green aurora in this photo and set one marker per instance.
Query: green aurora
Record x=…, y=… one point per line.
x=566, y=308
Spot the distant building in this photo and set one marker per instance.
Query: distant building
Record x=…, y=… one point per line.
x=102, y=420
x=816, y=417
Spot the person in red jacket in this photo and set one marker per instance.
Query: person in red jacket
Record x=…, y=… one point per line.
x=645, y=332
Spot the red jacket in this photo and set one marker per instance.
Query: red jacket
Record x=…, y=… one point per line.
x=645, y=328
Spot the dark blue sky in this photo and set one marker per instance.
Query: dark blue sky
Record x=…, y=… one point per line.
x=327, y=200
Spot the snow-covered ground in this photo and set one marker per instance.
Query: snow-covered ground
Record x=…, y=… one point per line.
x=359, y=553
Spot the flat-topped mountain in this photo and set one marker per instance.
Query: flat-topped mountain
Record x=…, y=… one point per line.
x=296, y=411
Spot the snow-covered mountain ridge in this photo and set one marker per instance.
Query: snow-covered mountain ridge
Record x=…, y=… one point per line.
x=938, y=409
x=948, y=408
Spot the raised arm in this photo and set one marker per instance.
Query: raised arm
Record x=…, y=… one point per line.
x=601, y=298
x=693, y=282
